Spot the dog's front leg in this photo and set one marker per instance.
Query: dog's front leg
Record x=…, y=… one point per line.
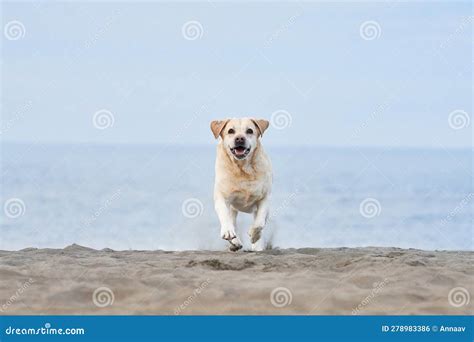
x=227, y=219
x=260, y=218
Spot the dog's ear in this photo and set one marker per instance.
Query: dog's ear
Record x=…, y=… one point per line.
x=217, y=126
x=261, y=124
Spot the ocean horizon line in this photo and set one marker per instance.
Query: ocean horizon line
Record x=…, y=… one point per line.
x=212, y=145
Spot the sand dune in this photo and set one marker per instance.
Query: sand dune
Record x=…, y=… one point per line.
x=79, y=280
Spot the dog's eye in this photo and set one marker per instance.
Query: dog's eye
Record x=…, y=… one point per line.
x=250, y=131
x=231, y=131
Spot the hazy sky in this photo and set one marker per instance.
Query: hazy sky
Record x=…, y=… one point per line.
x=394, y=83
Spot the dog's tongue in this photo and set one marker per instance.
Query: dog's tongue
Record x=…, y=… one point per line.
x=239, y=150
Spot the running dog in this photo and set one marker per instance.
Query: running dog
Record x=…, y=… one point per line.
x=243, y=178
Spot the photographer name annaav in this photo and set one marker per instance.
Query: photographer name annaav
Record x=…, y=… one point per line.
x=451, y=329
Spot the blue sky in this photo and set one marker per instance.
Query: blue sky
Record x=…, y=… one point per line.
x=309, y=60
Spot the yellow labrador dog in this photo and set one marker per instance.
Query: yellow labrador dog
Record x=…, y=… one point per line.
x=243, y=178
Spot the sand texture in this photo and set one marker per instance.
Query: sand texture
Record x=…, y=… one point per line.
x=363, y=281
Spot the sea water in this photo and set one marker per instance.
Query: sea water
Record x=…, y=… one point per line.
x=161, y=197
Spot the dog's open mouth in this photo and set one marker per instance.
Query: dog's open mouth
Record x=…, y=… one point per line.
x=240, y=152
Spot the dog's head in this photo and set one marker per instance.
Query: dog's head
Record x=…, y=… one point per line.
x=239, y=136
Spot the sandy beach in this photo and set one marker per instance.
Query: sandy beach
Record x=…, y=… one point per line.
x=335, y=281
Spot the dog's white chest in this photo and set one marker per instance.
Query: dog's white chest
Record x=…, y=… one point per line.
x=246, y=197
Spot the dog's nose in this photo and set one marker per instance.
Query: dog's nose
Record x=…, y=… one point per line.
x=240, y=140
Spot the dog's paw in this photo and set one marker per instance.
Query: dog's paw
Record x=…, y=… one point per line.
x=258, y=246
x=255, y=234
x=228, y=234
x=235, y=245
